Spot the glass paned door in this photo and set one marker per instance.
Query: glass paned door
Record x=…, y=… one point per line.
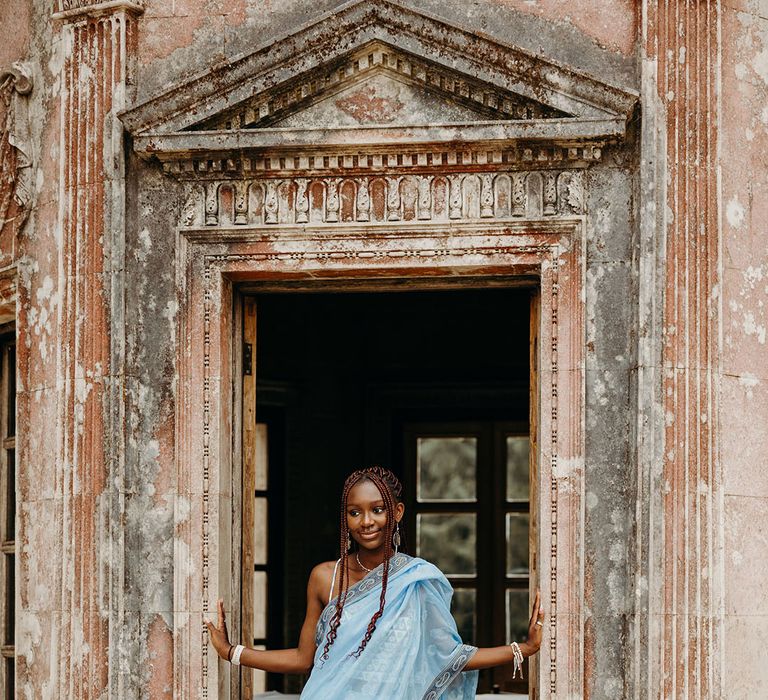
x=470, y=516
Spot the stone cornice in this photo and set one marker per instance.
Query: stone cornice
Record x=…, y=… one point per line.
x=491, y=134
x=73, y=10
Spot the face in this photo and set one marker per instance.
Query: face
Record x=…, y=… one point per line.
x=367, y=516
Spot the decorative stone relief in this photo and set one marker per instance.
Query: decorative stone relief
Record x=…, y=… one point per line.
x=348, y=200
x=15, y=143
x=90, y=5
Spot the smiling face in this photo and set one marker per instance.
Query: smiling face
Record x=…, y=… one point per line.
x=367, y=515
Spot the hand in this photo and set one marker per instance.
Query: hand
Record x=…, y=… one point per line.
x=218, y=633
x=535, y=628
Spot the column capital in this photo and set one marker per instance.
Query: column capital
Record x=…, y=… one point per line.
x=73, y=10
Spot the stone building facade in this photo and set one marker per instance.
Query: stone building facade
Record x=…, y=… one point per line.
x=165, y=162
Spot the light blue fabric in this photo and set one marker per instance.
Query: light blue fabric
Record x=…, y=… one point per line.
x=415, y=652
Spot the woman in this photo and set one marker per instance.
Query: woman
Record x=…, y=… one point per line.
x=378, y=622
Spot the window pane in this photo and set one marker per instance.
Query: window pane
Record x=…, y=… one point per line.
x=517, y=468
x=10, y=497
x=517, y=544
x=261, y=458
x=518, y=615
x=11, y=403
x=10, y=598
x=463, y=609
x=448, y=541
x=10, y=679
x=447, y=467
x=260, y=531
x=259, y=605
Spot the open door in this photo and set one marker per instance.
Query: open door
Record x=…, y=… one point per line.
x=255, y=486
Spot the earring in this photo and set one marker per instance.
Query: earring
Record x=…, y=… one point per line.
x=349, y=542
x=396, y=537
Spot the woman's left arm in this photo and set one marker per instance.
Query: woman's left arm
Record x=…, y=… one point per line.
x=489, y=657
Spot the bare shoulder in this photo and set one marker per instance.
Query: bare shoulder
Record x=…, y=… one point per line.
x=320, y=578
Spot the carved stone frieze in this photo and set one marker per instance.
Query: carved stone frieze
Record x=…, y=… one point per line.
x=377, y=199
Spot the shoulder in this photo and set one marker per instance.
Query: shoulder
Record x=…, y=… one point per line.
x=321, y=575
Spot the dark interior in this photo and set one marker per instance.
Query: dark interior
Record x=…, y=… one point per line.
x=341, y=376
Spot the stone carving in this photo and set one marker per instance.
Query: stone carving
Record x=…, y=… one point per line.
x=71, y=5
x=302, y=201
x=576, y=192
x=271, y=202
x=211, y=204
x=486, y=196
x=380, y=200
x=331, y=200
x=15, y=144
x=454, y=196
x=425, y=197
x=393, y=198
x=241, y=203
x=363, y=200
x=550, y=194
x=518, y=194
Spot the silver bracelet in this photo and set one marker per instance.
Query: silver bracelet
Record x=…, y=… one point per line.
x=518, y=668
x=236, y=654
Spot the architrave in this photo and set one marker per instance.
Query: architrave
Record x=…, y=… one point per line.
x=209, y=268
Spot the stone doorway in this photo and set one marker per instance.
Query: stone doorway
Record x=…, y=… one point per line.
x=208, y=458
x=419, y=381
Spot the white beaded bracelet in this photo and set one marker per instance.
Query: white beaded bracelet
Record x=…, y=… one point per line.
x=236, y=654
x=518, y=664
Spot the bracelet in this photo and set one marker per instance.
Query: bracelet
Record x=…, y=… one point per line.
x=229, y=653
x=518, y=667
x=236, y=656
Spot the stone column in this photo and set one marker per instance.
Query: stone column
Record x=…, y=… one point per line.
x=83, y=546
x=679, y=589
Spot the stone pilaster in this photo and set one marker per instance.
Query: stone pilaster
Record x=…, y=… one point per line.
x=98, y=42
x=678, y=641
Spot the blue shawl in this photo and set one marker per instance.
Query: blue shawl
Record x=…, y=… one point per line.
x=415, y=652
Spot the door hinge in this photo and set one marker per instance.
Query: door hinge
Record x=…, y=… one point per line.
x=247, y=358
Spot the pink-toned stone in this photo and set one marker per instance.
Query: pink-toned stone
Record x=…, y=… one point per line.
x=747, y=635
x=744, y=405
x=615, y=29
x=746, y=554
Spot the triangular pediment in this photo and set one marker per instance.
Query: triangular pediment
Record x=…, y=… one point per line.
x=362, y=41
x=375, y=73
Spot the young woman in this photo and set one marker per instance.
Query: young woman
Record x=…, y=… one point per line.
x=378, y=621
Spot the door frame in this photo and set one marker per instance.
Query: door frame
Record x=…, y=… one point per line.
x=211, y=265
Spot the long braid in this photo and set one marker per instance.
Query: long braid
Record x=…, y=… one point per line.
x=343, y=563
x=391, y=490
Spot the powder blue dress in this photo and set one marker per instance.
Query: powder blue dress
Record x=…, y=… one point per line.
x=415, y=652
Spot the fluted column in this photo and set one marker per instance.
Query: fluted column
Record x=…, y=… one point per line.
x=679, y=589
x=98, y=42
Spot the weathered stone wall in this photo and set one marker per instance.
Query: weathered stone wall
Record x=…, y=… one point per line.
x=743, y=375
x=96, y=318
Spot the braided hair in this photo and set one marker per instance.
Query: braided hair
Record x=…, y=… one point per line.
x=391, y=493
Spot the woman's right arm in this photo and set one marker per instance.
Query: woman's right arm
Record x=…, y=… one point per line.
x=297, y=660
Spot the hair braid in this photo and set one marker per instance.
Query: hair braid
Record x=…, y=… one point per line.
x=391, y=491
